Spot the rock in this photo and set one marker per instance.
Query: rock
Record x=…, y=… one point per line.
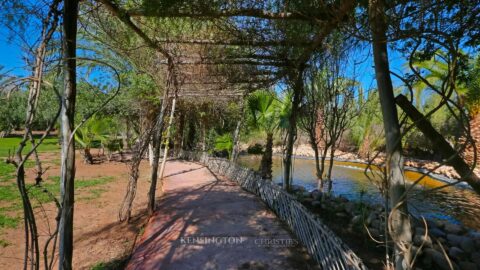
x=467, y=266
x=453, y=228
x=371, y=217
x=375, y=233
x=454, y=239
x=376, y=224
x=297, y=188
x=341, y=215
x=456, y=253
x=440, y=223
x=474, y=235
x=437, y=232
x=475, y=257
x=342, y=199
x=431, y=224
x=307, y=201
x=467, y=244
x=419, y=231
x=416, y=250
x=426, y=261
x=316, y=203
x=418, y=240
x=477, y=243
x=437, y=259
x=305, y=194
x=316, y=195
x=254, y=265
x=337, y=208
x=357, y=220
x=350, y=207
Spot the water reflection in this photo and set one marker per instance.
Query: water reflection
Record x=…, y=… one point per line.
x=456, y=204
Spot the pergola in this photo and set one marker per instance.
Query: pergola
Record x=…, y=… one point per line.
x=225, y=49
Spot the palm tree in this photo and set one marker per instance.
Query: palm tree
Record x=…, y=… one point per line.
x=466, y=94
x=265, y=110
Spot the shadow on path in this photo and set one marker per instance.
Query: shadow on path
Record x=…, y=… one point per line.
x=208, y=222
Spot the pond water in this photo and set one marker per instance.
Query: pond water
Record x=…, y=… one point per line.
x=455, y=203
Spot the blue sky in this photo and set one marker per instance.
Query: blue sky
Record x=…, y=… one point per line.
x=10, y=56
x=11, y=59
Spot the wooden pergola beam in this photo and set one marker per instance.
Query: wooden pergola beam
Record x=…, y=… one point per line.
x=240, y=12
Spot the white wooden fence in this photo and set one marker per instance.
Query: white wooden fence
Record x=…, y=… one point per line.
x=322, y=244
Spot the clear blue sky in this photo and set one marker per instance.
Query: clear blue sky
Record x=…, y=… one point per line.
x=10, y=55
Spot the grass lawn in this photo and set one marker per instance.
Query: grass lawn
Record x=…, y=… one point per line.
x=11, y=143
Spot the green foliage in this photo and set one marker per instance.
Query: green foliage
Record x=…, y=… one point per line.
x=50, y=144
x=12, y=110
x=8, y=222
x=10, y=197
x=224, y=143
x=473, y=86
x=98, y=130
x=264, y=109
x=367, y=124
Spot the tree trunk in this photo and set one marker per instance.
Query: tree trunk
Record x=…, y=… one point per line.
x=87, y=156
x=67, y=175
x=179, y=134
x=167, y=140
x=400, y=223
x=236, y=140
x=150, y=154
x=266, y=163
x=439, y=144
x=157, y=142
x=330, y=168
x=190, y=139
x=318, y=172
x=204, y=137
x=322, y=167
x=292, y=128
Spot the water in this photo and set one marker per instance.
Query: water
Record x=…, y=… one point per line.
x=455, y=204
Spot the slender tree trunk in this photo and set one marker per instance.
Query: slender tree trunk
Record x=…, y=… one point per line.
x=236, y=140
x=440, y=145
x=322, y=166
x=330, y=167
x=38, y=163
x=67, y=175
x=190, y=139
x=167, y=139
x=266, y=162
x=157, y=142
x=400, y=222
x=179, y=134
x=151, y=154
x=318, y=172
x=292, y=128
x=204, y=137
x=138, y=153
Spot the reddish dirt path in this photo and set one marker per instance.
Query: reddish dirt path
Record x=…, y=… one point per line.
x=98, y=235
x=199, y=206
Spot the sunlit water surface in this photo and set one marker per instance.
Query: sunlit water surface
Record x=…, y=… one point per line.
x=456, y=204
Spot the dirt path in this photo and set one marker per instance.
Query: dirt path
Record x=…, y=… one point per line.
x=208, y=222
x=98, y=236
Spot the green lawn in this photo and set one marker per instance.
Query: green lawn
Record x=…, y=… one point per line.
x=11, y=143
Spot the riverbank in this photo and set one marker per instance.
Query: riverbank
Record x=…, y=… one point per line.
x=440, y=172
x=430, y=238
